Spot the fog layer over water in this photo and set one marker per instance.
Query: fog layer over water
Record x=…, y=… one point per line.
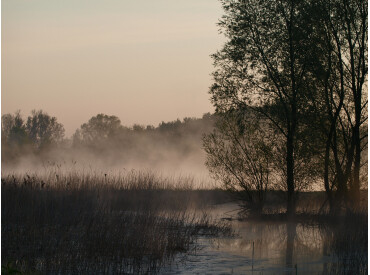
x=103, y=145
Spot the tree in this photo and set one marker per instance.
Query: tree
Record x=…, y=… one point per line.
x=239, y=154
x=338, y=100
x=99, y=128
x=13, y=130
x=347, y=29
x=14, y=137
x=303, y=65
x=264, y=63
x=44, y=130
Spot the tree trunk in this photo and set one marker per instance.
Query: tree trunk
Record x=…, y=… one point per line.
x=290, y=175
x=329, y=192
x=355, y=188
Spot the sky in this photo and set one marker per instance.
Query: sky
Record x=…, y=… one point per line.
x=143, y=61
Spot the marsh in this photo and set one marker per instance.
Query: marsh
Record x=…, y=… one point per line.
x=142, y=223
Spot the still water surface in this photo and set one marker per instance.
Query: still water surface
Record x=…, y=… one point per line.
x=259, y=248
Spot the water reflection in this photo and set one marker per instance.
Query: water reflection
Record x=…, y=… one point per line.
x=291, y=234
x=276, y=248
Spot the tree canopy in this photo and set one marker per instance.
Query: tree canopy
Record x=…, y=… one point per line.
x=98, y=128
x=43, y=129
x=302, y=65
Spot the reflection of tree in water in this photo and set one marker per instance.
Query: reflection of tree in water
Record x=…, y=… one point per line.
x=265, y=238
x=291, y=235
x=299, y=242
x=342, y=246
x=295, y=246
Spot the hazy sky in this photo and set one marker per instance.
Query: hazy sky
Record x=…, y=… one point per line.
x=143, y=61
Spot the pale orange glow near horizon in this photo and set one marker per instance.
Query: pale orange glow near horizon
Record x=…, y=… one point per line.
x=143, y=61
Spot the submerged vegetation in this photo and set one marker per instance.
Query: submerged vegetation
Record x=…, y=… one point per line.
x=78, y=223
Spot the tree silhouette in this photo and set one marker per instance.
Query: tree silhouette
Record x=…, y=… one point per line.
x=341, y=100
x=303, y=65
x=239, y=154
x=44, y=130
x=98, y=129
x=264, y=63
x=13, y=130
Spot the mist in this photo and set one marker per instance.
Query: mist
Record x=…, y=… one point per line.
x=103, y=145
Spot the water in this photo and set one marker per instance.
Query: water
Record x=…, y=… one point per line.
x=261, y=248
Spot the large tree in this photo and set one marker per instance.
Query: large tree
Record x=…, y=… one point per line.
x=303, y=65
x=338, y=98
x=263, y=64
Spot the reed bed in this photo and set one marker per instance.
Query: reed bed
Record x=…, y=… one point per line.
x=77, y=223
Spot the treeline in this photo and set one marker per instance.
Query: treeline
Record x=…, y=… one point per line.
x=103, y=140
x=21, y=136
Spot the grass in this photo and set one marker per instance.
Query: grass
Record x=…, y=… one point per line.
x=73, y=223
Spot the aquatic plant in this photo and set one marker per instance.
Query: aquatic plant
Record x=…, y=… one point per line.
x=81, y=223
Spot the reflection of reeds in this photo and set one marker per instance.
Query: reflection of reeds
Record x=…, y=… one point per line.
x=341, y=235
x=78, y=223
x=348, y=242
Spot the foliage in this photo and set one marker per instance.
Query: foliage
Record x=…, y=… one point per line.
x=98, y=128
x=303, y=66
x=44, y=130
x=263, y=64
x=40, y=132
x=239, y=154
x=339, y=100
x=13, y=130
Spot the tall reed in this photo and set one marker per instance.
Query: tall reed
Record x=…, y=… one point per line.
x=73, y=223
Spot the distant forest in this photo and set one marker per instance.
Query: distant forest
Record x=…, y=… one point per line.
x=103, y=141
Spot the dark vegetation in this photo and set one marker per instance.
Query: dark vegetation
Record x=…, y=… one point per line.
x=93, y=224
x=290, y=96
x=348, y=238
